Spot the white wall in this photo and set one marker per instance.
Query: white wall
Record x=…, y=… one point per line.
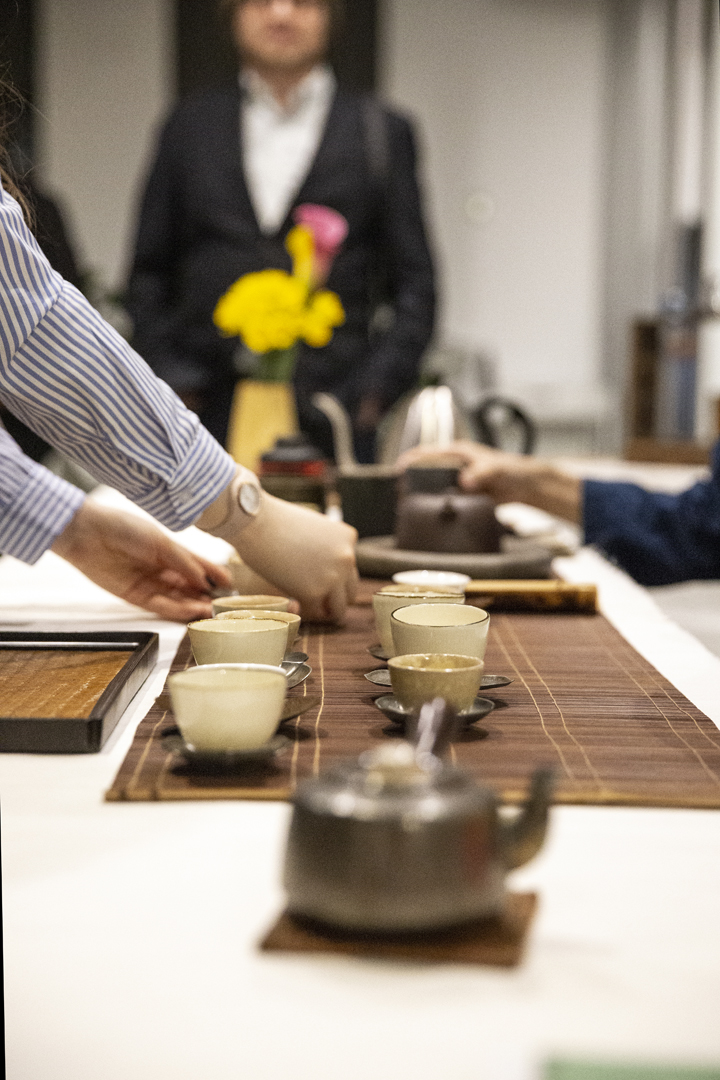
x=510, y=96
x=104, y=71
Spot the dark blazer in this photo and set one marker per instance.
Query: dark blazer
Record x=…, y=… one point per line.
x=198, y=233
x=657, y=538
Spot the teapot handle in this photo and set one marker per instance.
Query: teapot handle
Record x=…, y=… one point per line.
x=523, y=837
x=489, y=429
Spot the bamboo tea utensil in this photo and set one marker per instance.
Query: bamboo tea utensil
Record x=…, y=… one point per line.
x=527, y=595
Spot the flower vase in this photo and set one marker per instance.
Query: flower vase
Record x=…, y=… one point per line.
x=261, y=412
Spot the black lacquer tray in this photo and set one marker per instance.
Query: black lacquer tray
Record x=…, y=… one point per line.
x=63, y=693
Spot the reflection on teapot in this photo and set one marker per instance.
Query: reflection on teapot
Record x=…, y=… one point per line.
x=398, y=840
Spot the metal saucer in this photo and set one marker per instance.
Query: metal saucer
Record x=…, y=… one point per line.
x=223, y=760
x=295, y=706
x=493, y=682
x=381, y=677
x=389, y=705
x=298, y=675
x=296, y=658
x=378, y=652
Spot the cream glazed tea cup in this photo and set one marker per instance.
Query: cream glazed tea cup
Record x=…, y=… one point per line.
x=237, y=602
x=239, y=641
x=292, y=621
x=228, y=707
x=392, y=597
x=440, y=628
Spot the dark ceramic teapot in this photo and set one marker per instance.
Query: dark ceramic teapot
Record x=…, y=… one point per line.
x=399, y=841
x=434, y=515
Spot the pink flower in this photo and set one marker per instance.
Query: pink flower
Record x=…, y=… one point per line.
x=329, y=230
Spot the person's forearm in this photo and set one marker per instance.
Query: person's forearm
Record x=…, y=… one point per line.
x=545, y=487
x=299, y=551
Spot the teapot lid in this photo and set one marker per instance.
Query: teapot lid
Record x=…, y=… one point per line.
x=391, y=781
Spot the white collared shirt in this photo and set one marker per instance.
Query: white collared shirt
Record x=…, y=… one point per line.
x=281, y=141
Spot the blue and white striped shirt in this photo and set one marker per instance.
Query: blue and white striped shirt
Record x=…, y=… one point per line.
x=72, y=379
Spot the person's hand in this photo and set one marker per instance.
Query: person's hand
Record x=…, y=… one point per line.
x=305, y=554
x=133, y=559
x=481, y=468
x=504, y=477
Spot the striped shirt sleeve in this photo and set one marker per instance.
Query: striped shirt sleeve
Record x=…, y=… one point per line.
x=35, y=505
x=72, y=379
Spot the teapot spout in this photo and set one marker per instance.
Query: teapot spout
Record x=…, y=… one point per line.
x=523, y=837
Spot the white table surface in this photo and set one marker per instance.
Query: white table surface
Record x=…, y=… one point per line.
x=130, y=930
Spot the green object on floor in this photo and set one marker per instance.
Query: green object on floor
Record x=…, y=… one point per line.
x=586, y=1070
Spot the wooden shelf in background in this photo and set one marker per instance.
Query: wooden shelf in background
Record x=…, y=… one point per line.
x=666, y=453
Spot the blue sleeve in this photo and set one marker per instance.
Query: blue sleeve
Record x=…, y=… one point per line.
x=72, y=379
x=657, y=538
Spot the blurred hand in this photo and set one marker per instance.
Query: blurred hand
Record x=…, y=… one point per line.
x=304, y=554
x=133, y=559
x=482, y=469
x=505, y=477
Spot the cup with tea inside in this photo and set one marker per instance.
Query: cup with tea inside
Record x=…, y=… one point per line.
x=292, y=621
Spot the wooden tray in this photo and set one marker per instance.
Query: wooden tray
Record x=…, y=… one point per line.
x=64, y=693
x=378, y=557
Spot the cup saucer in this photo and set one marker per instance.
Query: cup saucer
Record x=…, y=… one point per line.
x=389, y=705
x=378, y=652
x=297, y=675
x=381, y=677
x=223, y=760
x=296, y=658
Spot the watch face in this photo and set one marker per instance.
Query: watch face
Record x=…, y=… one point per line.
x=249, y=498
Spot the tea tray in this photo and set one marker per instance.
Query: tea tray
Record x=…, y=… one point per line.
x=63, y=693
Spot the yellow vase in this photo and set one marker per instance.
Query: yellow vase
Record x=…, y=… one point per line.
x=261, y=413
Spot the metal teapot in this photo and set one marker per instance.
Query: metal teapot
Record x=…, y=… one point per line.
x=400, y=841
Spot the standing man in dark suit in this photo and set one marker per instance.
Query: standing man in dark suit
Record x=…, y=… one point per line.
x=230, y=169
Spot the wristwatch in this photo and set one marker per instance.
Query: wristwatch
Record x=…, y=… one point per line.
x=235, y=507
x=248, y=497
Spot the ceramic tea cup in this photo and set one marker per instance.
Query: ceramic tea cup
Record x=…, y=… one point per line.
x=256, y=600
x=292, y=621
x=230, y=707
x=440, y=628
x=420, y=677
x=239, y=641
x=392, y=597
x=433, y=578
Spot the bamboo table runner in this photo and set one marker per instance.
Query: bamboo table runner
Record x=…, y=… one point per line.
x=582, y=700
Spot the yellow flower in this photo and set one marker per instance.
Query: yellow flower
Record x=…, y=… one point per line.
x=323, y=313
x=266, y=309
x=300, y=245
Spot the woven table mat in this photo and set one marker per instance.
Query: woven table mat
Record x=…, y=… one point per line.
x=582, y=700
x=498, y=942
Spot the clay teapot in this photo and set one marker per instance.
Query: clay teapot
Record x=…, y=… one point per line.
x=434, y=515
x=399, y=841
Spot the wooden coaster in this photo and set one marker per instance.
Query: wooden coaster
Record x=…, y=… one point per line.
x=499, y=942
